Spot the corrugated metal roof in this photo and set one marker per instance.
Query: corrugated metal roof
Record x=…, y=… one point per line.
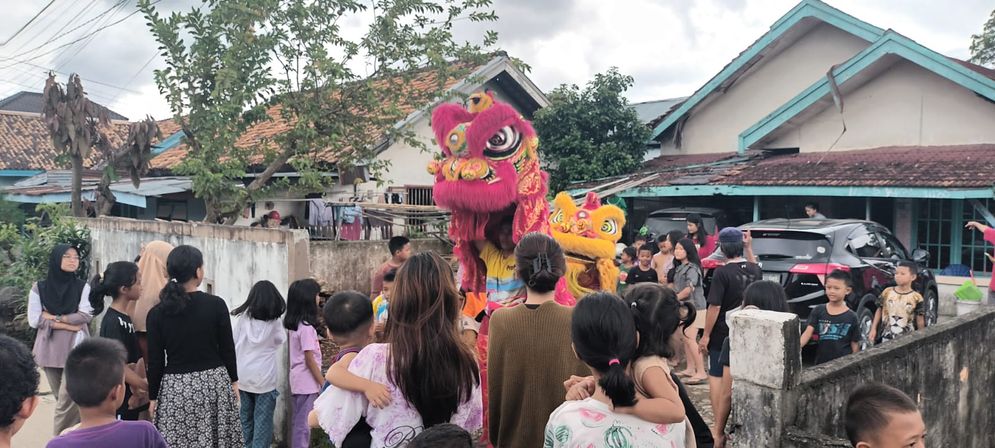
x=651, y=110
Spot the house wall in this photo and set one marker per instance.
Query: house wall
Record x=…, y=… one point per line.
x=715, y=126
x=904, y=105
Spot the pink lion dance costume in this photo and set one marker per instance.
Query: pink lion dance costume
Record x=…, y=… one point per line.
x=489, y=170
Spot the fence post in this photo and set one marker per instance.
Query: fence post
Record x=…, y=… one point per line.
x=765, y=361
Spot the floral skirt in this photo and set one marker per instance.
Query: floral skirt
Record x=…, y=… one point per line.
x=198, y=410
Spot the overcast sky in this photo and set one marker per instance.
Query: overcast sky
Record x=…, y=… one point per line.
x=670, y=47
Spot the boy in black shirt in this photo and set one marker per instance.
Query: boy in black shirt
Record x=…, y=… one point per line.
x=643, y=272
x=834, y=322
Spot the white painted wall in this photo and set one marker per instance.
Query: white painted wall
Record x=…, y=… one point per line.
x=715, y=126
x=904, y=105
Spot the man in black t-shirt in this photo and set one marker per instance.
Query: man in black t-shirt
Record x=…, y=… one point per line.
x=725, y=294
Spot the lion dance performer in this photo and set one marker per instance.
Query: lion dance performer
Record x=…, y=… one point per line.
x=490, y=180
x=588, y=235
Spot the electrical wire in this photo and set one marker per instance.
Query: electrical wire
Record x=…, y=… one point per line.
x=79, y=48
x=43, y=44
x=25, y=26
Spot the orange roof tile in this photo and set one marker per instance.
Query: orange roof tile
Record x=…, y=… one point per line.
x=25, y=143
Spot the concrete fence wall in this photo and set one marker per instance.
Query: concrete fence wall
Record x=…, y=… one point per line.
x=949, y=369
x=347, y=265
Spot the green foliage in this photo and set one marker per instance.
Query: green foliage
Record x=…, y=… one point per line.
x=983, y=45
x=240, y=63
x=26, y=252
x=11, y=213
x=590, y=133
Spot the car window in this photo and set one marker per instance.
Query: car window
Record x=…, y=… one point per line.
x=864, y=243
x=892, y=248
x=788, y=244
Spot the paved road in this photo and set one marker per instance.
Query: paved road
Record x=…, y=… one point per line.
x=37, y=431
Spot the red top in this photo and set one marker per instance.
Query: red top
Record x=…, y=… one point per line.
x=706, y=249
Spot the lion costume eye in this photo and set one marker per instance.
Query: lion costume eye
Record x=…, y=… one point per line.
x=503, y=144
x=610, y=226
x=557, y=217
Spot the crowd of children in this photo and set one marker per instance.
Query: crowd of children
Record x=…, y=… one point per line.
x=559, y=376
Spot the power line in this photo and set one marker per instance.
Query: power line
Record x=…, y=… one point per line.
x=68, y=22
x=80, y=47
x=43, y=44
x=140, y=70
x=23, y=27
x=73, y=42
x=82, y=78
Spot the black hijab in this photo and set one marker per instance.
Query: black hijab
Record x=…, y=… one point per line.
x=61, y=291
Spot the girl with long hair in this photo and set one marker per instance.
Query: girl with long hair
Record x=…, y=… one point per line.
x=59, y=308
x=688, y=283
x=152, y=268
x=305, y=356
x=193, y=375
x=527, y=338
x=605, y=339
x=705, y=242
x=431, y=374
x=258, y=335
x=122, y=283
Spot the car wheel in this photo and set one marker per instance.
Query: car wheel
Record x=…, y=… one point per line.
x=865, y=318
x=931, y=303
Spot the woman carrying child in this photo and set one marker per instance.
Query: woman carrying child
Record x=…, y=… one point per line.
x=688, y=284
x=634, y=402
x=258, y=335
x=528, y=338
x=305, y=356
x=122, y=283
x=193, y=376
x=431, y=376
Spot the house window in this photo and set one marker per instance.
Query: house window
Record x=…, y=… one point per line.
x=171, y=210
x=933, y=231
x=974, y=246
x=420, y=196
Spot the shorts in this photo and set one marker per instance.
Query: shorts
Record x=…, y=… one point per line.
x=714, y=363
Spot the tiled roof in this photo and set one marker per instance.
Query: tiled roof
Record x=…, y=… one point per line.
x=985, y=71
x=31, y=102
x=958, y=166
x=277, y=125
x=25, y=143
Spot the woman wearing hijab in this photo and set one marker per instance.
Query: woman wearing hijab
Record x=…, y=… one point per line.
x=152, y=268
x=59, y=309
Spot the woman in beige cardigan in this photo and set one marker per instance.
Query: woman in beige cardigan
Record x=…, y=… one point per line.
x=152, y=268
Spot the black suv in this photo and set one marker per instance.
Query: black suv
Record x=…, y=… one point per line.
x=663, y=221
x=799, y=253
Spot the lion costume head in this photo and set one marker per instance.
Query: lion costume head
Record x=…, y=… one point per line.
x=588, y=234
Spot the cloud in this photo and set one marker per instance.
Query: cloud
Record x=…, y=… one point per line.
x=670, y=47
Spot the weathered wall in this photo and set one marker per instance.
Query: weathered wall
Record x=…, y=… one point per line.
x=348, y=264
x=948, y=369
x=234, y=259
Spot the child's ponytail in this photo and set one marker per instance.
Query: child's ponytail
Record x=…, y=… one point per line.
x=182, y=266
x=617, y=384
x=97, y=293
x=119, y=274
x=604, y=337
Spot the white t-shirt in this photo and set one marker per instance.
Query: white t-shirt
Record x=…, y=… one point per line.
x=257, y=344
x=590, y=422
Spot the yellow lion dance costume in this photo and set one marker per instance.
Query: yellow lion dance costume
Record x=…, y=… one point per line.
x=588, y=235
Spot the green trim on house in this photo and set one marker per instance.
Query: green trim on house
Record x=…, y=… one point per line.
x=891, y=43
x=20, y=173
x=806, y=9
x=793, y=190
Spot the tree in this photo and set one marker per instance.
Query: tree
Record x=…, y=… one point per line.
x=78, y=126
x=590, y=133
x=239, y=64
x=983, y=45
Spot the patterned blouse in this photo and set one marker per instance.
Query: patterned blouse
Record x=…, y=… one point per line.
x=339, y=410
x=591, y=423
